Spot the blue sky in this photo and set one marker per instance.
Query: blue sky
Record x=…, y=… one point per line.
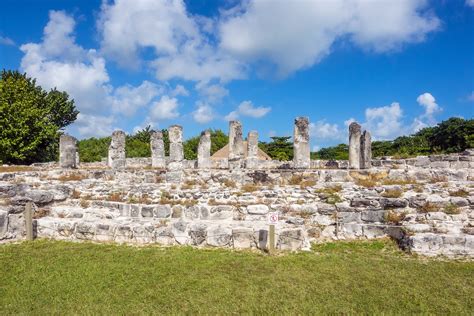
x=394, y=66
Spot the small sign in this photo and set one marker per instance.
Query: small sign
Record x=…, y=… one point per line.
x=272, y=218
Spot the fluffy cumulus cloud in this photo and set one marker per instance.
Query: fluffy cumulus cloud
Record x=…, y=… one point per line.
x=57, y=61
x=181, y=46
x=428, y=101
x=127, y=99
x=164, y=109
x=298, y=34
x=384, y=122
x=94, y=125
x=246, y=108
x=323, y=130
x=204, y=113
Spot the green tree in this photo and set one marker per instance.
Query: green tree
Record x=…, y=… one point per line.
x=452, y=135
x=280, y=148
x=31, y=119
x=218, y=140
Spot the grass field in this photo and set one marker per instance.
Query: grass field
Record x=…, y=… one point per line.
x=45, y=277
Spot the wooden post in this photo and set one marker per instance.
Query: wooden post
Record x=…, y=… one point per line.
x=271, y=248
x=29, y=220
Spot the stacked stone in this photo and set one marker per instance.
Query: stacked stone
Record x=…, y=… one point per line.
x=67, y=151
x=116, y=157
x=204, y=150
x=252, y=150
x=301, y=152
x=175, y=164
x=365, y=150
x=157, y=150
x=360, y=147
x=236, y=145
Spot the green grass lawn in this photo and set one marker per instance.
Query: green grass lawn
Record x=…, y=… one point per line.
x=45, y=277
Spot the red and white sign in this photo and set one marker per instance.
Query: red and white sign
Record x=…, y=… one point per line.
x=272, y=218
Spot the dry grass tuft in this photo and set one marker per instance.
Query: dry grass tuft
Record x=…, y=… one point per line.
x=249, y=187
x=368, y=183
x=399, y=181
x=437, y=179
x=75, y=194
x=16, y=168
x=394, y=193
x=295, y=180
x=115, y=197
x=72, y=177
x=459, y=193
x=451, y=209
x=41, y=212
x=84, y=203
x=229, y=183
x=393, y=217
x=429, y=207
x=307, y=183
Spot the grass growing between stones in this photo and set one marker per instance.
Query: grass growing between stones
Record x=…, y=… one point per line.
x=46, y=277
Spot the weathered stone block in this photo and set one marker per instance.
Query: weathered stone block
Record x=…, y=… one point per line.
x=243, y=238
x=198, y=234
x=157, y=147
x=67, y=151
x=204, y=150
x=162, y=211
x=301, y=150
x=219, y=236
x=290, y=239
x=3, y=223
x=116, y=158
x=259, y=209
x=354, y=145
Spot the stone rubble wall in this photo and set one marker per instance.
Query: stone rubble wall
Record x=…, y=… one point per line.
x=432, y=213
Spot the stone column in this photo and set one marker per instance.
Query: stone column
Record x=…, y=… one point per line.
x=354, y=145
x=67, y=151
x=175, y=164
x=204, y=150
x=365, y=150
x=252, y=150
x=116, y=157
x=157, y=147
x=236, y=145
x=301, y=152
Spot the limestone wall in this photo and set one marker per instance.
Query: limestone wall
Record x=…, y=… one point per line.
x=426, y=203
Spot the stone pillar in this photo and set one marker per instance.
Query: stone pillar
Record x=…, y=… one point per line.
x=157, y=147
x=67, y=151
x=175, y=164
x=365, y=150
x=236, y=145
x=204, y=150
x=301, y=152
x=252, y=150
x=116, y=157
x=354, y=145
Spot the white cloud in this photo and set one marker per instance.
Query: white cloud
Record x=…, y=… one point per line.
x=232, y=116
x=324, y=130
x=470, y=3
x=179, y=90
x=165, y=108
x=6, y=41
x=246, y=108
x=297, y=34
x=59, y=62
x=127, y=99
x=94, y=125
x=211, y=92
x=203, y=114
x=384, y=122
x=179, y=41
x=429, y=103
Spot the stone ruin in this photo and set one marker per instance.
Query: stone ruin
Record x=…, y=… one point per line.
x=426, y=203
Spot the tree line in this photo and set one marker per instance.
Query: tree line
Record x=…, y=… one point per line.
x=32, y=119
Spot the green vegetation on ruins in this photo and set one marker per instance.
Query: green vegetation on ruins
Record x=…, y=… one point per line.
x=361, y=277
